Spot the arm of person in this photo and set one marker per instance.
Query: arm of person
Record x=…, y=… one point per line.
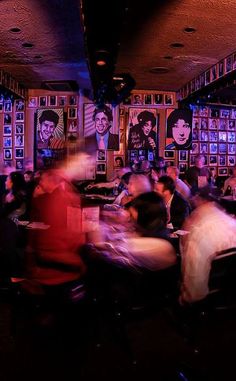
x=109, y=184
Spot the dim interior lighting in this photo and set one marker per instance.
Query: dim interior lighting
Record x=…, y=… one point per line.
x=101, y=62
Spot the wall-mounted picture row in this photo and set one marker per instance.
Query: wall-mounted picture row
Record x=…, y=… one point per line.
x=152, y=99
x=52, y=101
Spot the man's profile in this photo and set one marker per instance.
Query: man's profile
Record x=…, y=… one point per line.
x=48, y=122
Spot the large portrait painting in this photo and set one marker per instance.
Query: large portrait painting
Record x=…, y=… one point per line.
x=101, y=129
x=142, y=128
x=50, y=137
x=179, y=129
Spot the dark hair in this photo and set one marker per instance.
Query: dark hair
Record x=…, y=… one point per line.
x=168, y=183
x=50, y=115
x=145, y=116
x=125, y=178
x=152, y=214
x=119, y=158
x=18, y=182
x=174, y=116
x=106, y=110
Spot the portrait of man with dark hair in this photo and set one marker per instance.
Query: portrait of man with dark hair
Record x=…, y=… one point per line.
x=50, y=129
x=143, y=133
x=179, y=130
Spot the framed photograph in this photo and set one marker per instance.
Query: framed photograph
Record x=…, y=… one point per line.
x=196, y=123
x=183, y=167
x=72, y=100
x=52, y=100
x=224, y=113
x=202, y=80
x=148, y=99
x=213, y=124
x=195, y=110
x=214, y=113
x=101, y=168
x=233, y=113
x=19, y=116
x=169, y=154
x=19, y=140
x=206, y=159
x=137, y=99
x=118, y=161
x=192, y=160
x=183, y=155
x=231, y=137
x=231, y=160
x=213, y=148
x=50, y=131
x=195, y=135
x=98, y=120
x=101, y=155
x=158, y=99
x=62, y=101
x=223, y=148
x=231, y=149
x=195, y=148
x=207, y=77
x=212, y=160
x=223, y=171
x=19, y=128
x=7, y=154
x=223, y=136
x=203, y=111
x=7, y=106
x=143, y=128
x=204, y=148
x=204, y=136
x=213, y=73
x=72, y=125
x=231, y=125
x=19, y=164
x=169, y=163
x=7, y=141
x=72, y=113
x=221, y=68
x=222, y=160
x=7, y=130
x=19, y=105
x=33, y=102
x=1, y=107
x=204, y=124
x=19, y=153
x=168, y=99
x=223, y=124
x=7, y=119
x=229, y=63
x=43, y=101
x=213, y=136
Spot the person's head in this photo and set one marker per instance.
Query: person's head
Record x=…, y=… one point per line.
x=179, y=126
x=138, y=184
x=149, y=212
x=172, y=172
x=103, y=118
x=160, y=162
x=165, y=187
x=137, y=98
x=48, y=121
x=119, y=162
x=15, y=182
x=199, y=161
x=147, y=121
x=28, y=176
x=49, y=180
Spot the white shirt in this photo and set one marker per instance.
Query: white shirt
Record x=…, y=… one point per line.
x=183, y=189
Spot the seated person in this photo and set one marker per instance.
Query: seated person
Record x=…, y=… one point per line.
x=230, y=183
x=137, y=185
x=180, y=186
x=177, y=207
x=198, y=175
x=210, y=230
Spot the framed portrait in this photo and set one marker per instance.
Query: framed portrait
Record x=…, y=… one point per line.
x=195, y=148
x=158, y=99
x=101, y=155
x=52, y=100
x=118, y=161
x=72, y=113
x=224, y=113
x=204, y=124
x=72, y=125
x=213, y=148
x=19, y=164
x=222, y=136
x=101, y=168
x=203, y=111
x=214, y=113
x=213, y=73
x=223, y=171
x=231, y=149
x=169, y=163
x=7, y=141
x=223, y=124
x=179, y=129
x=168, y=99
x=223, y=148
x=221, y=160
x=183, y=155
x=229, y=63
x=195, y=110
x=213, y=136
x=20, y=116
x=207, y=77
x=151, y=155
x=192, y=160
x=196, y=123
x=231, y=160
x=231, y=125
x=204, y=148
x=212, y=160
x=19, y=153
x=7, y=154
x=72, y=100
x=221, y=68
x=19, y=128
x=233, y=113
x=62, y=101
x=43, y=101
x=231, y=137
x=19, y=105
x=195, y=135
x=183, y=167
x=143, y=127
x=148, y=99
x=1, y=107
x=7, y=130
x=206, y=159
x=204, y=136
x=33, y=102
x=7, y=106
x=101, y=127
x=137, y=99
x=169, y=154
x=19, y=140
x=202, y=80
x=7, y=119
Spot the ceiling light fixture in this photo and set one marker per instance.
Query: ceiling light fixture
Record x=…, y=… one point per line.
x=15, y=30
x=177, y=45
x=189, y=30
x=27, y=45
x=168, y=57
x=159, y=70
x=101, y=63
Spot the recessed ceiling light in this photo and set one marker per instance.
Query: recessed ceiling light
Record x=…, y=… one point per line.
x=168, y=57
x=27, y=45
x=15, y=30
x=159, y=70
x=38, y=56
x=189, y=29
x=177, y=45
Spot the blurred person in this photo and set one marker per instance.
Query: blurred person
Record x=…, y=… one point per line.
x=210, y=230
x=138, y=184
x=231, y=181
x=160, y=165
x=14, y=201
x=177, y=207
x=180, y=186
x=198, y=175
x=143, y=134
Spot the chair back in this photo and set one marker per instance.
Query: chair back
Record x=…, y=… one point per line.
x=223, y=272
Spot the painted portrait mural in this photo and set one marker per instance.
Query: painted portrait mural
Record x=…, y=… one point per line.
x=179, y=129
x=142, y=128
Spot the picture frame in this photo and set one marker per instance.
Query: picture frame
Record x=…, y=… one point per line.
x=231, y=149
x=207, y=77
x=222, y=160
x=7, y=130
x=221, y=68
x=7, y=141
x=101, y=168
x=231, y=125
x=101, y=155
x=19, y=105
x=7, y=153
x=169, y=154
x=158, y=99
x=19, y=116
x=213, y=148
x=72, y=112
x=224, y=113
x=72, y=125
x=223, y=171
x=192, y=160
x=19, y=164
x=229, y=63
x=137, y=99
x=213, y=136
x=194, y=135
x=139, y=136
x=118, y=159
x=231, y=160
x=1, y=107
x=183, y=167
x=212, y=160
x=168, y=99
x=196, y=123
x=223, y=136
x=7, y=106
x=72, y=100
x=213, y=73
x=204, y=136
x=231, y=137
x=169, y=163
x=19, y=128
x=7, y=119
x=52, y=100
x=214, y=113
x=62, y=101
x=148, y=99
x=43, y=101
x=233, y=113
x=203, y=148
x=203, y=111
x=19, y=140
x=19, y=153
x=183, y=155
x=204, y=124
x=223, y=126
x=222, y=148
x=195, y=148
x=33, y=102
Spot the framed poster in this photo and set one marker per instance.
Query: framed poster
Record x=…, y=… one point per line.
x=179, y=129
x=143, y=127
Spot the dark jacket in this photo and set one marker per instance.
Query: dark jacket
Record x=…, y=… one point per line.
x=91, y=144
x=179, y=210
